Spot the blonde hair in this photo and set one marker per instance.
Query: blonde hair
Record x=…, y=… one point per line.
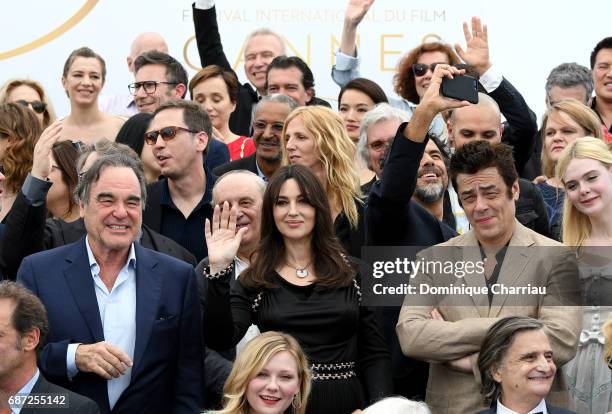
x=7, y=88
x=336, y=153
x=251, y=361
x=577, y=225
x=579, y=113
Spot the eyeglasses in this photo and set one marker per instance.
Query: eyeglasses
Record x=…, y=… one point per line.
x=149, y=86
x=167, y=134
x=37, y=106
x=378, y=146
x=276, y=127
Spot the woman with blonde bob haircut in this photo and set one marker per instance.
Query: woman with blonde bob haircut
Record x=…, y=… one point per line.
x=257, y=364
x=315, y=136
x=563, y=123
x=585, y=169
x=29, y=93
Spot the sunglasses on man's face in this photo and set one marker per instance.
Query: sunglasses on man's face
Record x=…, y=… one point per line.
x=37, y=106
x=167, y=134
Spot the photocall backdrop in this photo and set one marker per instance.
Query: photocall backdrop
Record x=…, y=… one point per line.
x=527, y=38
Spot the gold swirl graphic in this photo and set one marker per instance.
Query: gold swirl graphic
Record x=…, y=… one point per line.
x=63, y=28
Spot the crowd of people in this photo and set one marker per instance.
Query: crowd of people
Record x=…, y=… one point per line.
x=205, y=246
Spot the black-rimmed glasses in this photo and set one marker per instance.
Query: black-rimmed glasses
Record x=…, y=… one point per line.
x=167, y=134
x=149, y=86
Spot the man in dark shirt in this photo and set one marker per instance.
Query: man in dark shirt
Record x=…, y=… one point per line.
x=179, y=203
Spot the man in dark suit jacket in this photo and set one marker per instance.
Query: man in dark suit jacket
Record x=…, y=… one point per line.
x=268, y=123
x=125, y=326
x=260, y=48
x=23, y=328
x=516, y=367
x=29, y=231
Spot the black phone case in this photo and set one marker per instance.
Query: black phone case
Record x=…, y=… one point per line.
x=463, y=88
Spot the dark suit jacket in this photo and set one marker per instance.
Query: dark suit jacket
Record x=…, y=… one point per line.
x=28, y=231
x=76, y=403
x=394, y=219
x=521, y=123
x=167, y=370
x=247, y=163
x=218, y=363
x=211, y=52
x=217, y=154
x=550, y=408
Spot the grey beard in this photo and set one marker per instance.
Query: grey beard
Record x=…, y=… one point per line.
x=430, y=193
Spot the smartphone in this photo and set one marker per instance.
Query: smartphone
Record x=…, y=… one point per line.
x=463, y=88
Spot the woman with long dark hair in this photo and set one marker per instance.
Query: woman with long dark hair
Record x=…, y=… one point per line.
x=301, y=283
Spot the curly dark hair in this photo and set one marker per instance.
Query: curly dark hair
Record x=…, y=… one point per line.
x=478, y=155
x=329, y=261
x=404, y=78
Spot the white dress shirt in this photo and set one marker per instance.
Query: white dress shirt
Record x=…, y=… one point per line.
x=540, y=408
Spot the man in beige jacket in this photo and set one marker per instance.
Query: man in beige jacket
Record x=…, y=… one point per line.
x=447, y=329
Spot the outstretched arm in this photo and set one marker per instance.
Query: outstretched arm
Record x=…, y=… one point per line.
x=347, y=63
x=207, y=35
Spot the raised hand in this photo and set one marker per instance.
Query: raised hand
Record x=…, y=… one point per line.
x=222, y=239
x=477, y=46
x=102, y=359
x=41, y=165
x=356, y=10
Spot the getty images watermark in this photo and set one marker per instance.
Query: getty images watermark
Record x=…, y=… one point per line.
x=462, y=276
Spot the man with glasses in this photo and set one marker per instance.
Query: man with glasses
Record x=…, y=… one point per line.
x=161, y=78
x=268, y=123
x=179, y=203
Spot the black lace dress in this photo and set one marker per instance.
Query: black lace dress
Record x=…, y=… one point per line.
x=342, y=340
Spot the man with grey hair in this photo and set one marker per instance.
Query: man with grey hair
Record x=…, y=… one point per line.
x=569, y=81
x=377, y=131
x=517, y=368
x=242, y=191
x=268, y=122
x=125, y=327
x=260, y=48
x=29, y=231
x=565, y=81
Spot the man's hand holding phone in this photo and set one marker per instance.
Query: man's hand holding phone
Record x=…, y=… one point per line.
x=432, y=103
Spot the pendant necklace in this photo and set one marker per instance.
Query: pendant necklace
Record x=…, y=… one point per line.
x=302, y=273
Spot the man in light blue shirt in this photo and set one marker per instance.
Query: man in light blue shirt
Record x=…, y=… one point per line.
x=125, y=325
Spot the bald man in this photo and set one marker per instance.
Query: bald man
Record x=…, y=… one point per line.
x=145, y=42
x=123, y=104
x=482, y=121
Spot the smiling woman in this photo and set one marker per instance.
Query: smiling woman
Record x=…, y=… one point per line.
x=270, y=376
x=83, y=79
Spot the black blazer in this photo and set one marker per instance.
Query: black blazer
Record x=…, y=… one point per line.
x=28, y=231
x=550, y=408
x=521, y=125
x=394, y=219
x=247, y=163
x=211, y=52
x=76, y=403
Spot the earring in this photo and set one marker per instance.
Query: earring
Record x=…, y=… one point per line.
x=296, y=402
